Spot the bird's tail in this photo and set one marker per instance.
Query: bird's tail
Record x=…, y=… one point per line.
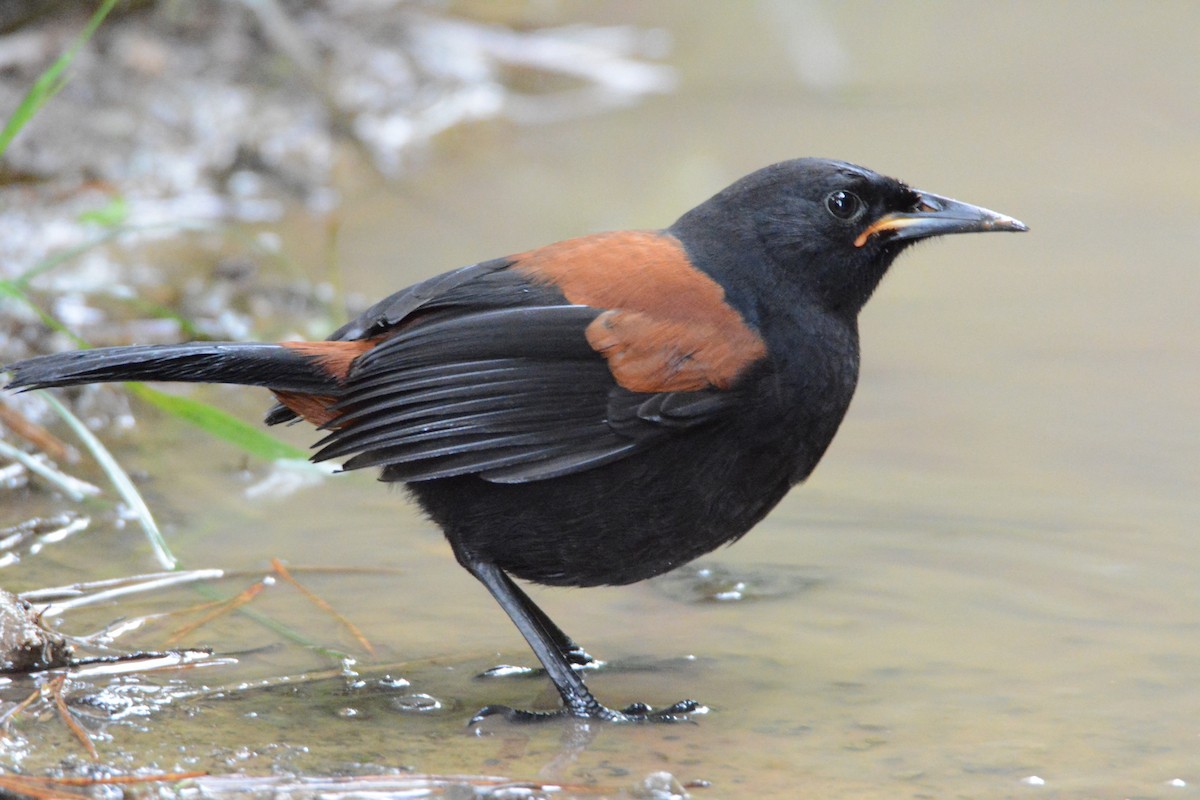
x=279, y=367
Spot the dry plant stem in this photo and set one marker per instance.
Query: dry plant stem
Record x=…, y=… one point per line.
x=37, y=788
x=33, y=433
x=74, y=488
x=51, y=788
x=110, y=589
x=126, y=780
x=321, y=603
x=13, y=712
x=232, y=604
x=60, y=702
x=120, y=481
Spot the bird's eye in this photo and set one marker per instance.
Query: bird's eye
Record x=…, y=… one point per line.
x=845, y=205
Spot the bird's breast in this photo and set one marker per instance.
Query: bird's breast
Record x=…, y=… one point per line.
x=806, y=386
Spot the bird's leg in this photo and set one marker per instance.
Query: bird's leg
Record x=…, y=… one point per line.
x=578, y=701
x=575, y=655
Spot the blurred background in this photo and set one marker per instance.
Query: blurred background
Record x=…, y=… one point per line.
x=987, y=589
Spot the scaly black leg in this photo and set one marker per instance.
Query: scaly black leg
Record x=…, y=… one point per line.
x=546, y=640
x=576, y=656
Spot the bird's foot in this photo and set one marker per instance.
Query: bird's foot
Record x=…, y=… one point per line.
x=636, y=712
x=681, y=711
x=579, y=659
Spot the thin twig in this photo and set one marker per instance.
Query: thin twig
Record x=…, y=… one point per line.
x=142, y=663
x=60, y=702
x=37, y=788
x=73, y=487
x=51, y=788
x=33, y=433
x=12, y=713
x=120, y=481
x=113, y=588
x=321, y=603
x=124, y=780
x=232, y=604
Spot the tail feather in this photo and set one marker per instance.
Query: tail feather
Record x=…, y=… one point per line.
x=271, y=365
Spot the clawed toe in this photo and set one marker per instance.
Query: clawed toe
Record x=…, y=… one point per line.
x=562, y=659
x=514, y=715
x=578, y=658
x=509, y=671
x=635, y=712
x=676, y=712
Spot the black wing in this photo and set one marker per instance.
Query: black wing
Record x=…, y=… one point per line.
x=480, y=371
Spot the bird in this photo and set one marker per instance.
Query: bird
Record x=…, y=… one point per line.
x=600, y=410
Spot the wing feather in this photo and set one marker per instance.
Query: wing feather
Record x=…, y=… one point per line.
x=499, y=372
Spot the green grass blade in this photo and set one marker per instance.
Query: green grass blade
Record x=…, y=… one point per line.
x=120, y=481
x=51, y=81
x=12, y=291
x=110, y=215
x=220, y=424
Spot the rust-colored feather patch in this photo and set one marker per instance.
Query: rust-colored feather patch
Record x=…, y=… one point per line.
x=312, y=408
x=667, y=327
x=334, y=358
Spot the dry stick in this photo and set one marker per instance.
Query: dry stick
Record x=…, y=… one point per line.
x=64, y=598
x=408, y=785
x=60, y=701
x=119, y=479
x=118, y=628
x=320, y=603
x=121, y=780
x=50, y=788
x=234, y=603
x=35, y=434
x=37, y=788
x=12, y=713
x=73, y=487
x=179, y=612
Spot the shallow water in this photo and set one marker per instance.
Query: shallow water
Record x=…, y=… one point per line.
x=997, y=560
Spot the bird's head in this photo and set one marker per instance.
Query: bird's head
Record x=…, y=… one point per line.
x=823, y=230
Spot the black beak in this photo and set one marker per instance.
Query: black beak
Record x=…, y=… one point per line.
x=935, y=215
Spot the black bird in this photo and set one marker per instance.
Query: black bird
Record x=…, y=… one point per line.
x=603, y=409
